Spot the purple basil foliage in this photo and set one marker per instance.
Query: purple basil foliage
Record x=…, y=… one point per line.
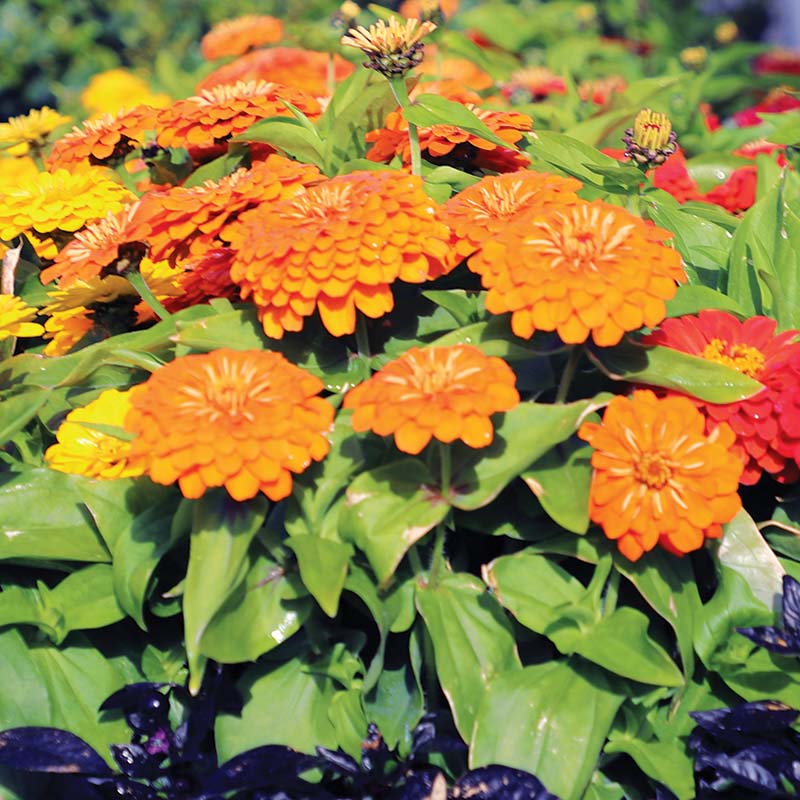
x=786, y=640
x=750, y=751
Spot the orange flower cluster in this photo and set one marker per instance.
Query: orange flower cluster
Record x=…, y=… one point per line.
x=447, y=144
x=106, y=138
x=337, y=247
x=216, y=114
x=188, y=222
x=443, y=393
x=580, y=270
x=305, y=70
x=245, y=420
x=659, y=478
x=233, y=37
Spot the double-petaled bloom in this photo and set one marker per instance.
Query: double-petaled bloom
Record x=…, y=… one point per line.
x=233, y=37
x=587, y=269
x=443, y=393
x=337, y=248
x=659, y=477
x=767, y=425
x=245, y=420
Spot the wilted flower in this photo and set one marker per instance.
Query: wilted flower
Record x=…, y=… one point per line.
x=19, y=135
x=233, y=37
x=658, y=477
x=16, y=318
x=651, y=140
x=445, y=393
x=245, y=420
x=767, y=425
x=337, y=247
x=83, y=449
x=580, y=270
x=393, y=48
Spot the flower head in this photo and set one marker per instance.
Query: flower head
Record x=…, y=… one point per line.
x=393, y=48
x=601, y=90
x=658, y=477
x=223, y=111
x=337, y=247
x=16, y=318
x=110, y=91
x=767, y=425
x=580, y=270
x=533, y=83
x=83, y=449
x=446, y=393
x=29, y=131
x=245, y=420
x=64, y=329
x=59, y=201
x=651, y=140
x=233, y=37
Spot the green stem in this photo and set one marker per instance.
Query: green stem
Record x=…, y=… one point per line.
x=569, y=373
x=362, y=338
x=35, y=152
x=611, y=593
x=446, y=468
x=437, y=558
x=138, y=282
x=330, y=75
x=398, y=86
x=415, y=561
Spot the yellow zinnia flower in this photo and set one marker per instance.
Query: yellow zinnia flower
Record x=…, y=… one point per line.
x=15, y=318
x=29, y=131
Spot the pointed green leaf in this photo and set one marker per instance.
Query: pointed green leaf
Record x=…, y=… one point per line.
x=323, y=568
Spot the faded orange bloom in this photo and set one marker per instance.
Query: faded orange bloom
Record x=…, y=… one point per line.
x=109, y=245
x=245, y=420
x=233, y=37
x=418, y=8
x=188, y=221
x=337, y=247
x=482, y=211
x=453, y=90
x=601, y=90
x=533, y=83
x=103, y=139
x=450, y=145
x=215, y=115
x=586, y=269
x=304, y=70
x=460, y=69
x=443, y=393
x=659, y=478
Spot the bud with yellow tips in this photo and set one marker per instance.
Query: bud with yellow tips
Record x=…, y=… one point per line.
x=651, y=140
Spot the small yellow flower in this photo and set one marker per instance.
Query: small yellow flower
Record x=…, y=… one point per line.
x=29, y=131
x=726, y=32
x=586, y=12
x=393, y=47
x=83, y=293
x=15, y=318
x=111, y=91
x=86, y=450
x=694, y=57
x=65, y=329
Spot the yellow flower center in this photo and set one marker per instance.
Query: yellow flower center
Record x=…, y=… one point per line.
x=742, y=357
x=430, y=375
x=651, y=130
x=323, y=202
x=502, y=200
x=653, y=469
x=388, y=38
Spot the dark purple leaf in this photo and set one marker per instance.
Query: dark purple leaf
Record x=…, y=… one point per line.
x=744, y=773
x=135, y=762
x=132, y=696
x=125, y=789
x=662, y=793
x=496, y=782
x=49, y=750
x=270, y=766
x=791, y=605
x=418, y=785
x=341, y=761
x=217, y=695
x=374, y=752
x=760, y=717
x=426, y=740
x=145, y=708
x=775, y=640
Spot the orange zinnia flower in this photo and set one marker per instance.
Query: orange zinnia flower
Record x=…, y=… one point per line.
x=205, y=278
x=233, y=37
x=245, y=420
x=590, y=268
x=107, y=138
x=337, y=247
x=767, y=425
x=483, y=210
x=659, y=478
x=446, y=393
x=108, y=245
x=305, y=70
x=189, y=221
x=449, y=145
x=460, y=69
x=216, y=114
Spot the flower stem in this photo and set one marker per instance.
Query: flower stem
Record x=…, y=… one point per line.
x=362, y=338
x=611, y=593
x=330, y=75
x=569, y=373
x=437, y=558
x=140, y=284
x=400, y=93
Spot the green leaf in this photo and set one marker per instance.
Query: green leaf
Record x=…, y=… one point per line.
x=560, y=713
x=560, y=480
x=285, y=705
x=323, y=567
x=263, y=611
x=388, y=510
x=42, y=517
x=18, y=410
x=433, y=109
x=222, y=530
x=472, y=642
x=86, y=599
x=744, y=550
x=493, y=338
x=521, y=436
x=288, y=135
x=694, y=299
x=713, y=168
x=665, y=762
x=663, y=366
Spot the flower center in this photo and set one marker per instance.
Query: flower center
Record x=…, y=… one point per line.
x=323, y=202
x=431, y=375
x=500, y=201
x=741, y=357
x=654, y=469
x=651, y=130
x=227, y=390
